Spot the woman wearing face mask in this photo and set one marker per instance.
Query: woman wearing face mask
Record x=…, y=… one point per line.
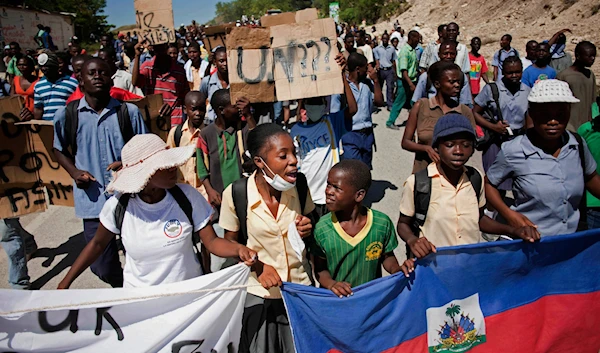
x=274, y=225
x=318, y=139
x=446, y=78
x=509, y=116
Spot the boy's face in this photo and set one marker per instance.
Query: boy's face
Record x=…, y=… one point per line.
x=476, y=45
x=455, y=150
x=362, y=72
x=195, y=110
x=230, y=114
x=340, y=194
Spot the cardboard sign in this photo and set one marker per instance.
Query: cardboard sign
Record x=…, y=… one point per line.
x=154, y=19
x=304, y=55
x=298, y=57
x=251, y=64
x=216, y=35
x=150, y=107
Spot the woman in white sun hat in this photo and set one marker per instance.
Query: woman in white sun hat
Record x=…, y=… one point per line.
x=156, y=218
x=550, y=167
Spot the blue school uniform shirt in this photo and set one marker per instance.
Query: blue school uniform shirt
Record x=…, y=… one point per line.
x=52, y=96
x=99, y=143
x=421, y=91
x=499, y=58
x=533, y=74
x=513, y=107
x=547, y=190
x=364, y=100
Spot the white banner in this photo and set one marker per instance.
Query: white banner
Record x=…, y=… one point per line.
x=199, y=315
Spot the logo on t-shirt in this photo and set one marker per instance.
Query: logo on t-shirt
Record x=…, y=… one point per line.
x=374, y=251
x=173, y=228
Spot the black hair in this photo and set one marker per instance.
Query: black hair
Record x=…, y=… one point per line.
x=530, y=43
x=129, y=48
x=64, y=56
x=40, y=26
x=436, y=70
x=475, y=38
x=583, y=45
x=220, y=50
x=360, y=175
x=173, y=45
x=83, y=57
x=200, y=94
x=220, y=98
x=15, y=44
x=109, y=51
x=355, y=60
x=441, y=28
x=511, y=60
x=413, y=33
x=29, y=60
x=455, y=24
x=260, y=136
x=194, y=45
x=507, y=36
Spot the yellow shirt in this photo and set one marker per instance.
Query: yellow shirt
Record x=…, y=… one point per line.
x=187, y=172
x=453, y=215
x=267, y=235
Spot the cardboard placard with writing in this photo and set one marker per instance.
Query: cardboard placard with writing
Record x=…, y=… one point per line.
x=154, y=19
x=250, y=62
x=20, y=189
x=304, y=58
x=285, y=18
x=150, y=107
x=216, y=36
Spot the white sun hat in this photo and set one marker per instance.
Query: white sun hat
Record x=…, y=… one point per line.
x=142, y=156
x=551, y=91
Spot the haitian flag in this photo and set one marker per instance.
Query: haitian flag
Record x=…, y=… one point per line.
x=507, y=296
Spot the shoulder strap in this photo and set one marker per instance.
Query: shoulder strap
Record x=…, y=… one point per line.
x=475, y=179
x=240, y=143
x=583, y=224
x=120, y=210
x=239, y=191
x=178, y=133
x=183, y=202
x=302, y=190
x=71, y=126
x=496, y=97
x=125, y=122
x=422, y=196
x=581, y=151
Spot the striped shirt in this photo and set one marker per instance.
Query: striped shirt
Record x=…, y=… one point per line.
x=172, y=85
x=356, y=259
x=51, y=96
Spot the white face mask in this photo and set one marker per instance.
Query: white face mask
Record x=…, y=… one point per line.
x=315, y=112
x=278, y=183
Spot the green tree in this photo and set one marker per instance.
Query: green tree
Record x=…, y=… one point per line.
x=452, y=311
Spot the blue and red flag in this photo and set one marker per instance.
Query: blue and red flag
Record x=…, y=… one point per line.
x=507, y=296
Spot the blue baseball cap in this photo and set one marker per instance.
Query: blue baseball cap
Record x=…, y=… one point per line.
x=450, y=124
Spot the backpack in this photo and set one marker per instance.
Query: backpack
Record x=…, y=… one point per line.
x=183, y=202
x=239, y=191
x=489, y=137
x=422, y=196
x=72, y=125
x=178, y=133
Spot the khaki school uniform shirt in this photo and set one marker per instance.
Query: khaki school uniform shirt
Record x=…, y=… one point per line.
x=187, y=172
x=453, y=215
x=267, y=235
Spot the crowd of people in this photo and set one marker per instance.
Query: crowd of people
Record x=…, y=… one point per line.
x=245, y=184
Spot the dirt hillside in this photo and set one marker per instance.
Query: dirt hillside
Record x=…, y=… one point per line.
x=490, y=19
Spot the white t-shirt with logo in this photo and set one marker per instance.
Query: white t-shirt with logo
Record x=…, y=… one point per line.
x=158, y=238
x=318, y=151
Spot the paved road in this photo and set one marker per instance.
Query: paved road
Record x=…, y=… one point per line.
x=59, y=237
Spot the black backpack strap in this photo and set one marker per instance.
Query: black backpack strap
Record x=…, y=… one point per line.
x=582, y=225
x=496, y=98
x=120, y=210
x=71, y=127
x=476, y=181
x=183, y=202
x=422, y=196
x=239, y=191
x=178, y=133
x=302, y=189
x=125, y=122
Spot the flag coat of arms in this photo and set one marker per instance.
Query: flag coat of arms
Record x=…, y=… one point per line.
x=508, y=296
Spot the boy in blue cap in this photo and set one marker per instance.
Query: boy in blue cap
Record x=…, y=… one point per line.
x=443, y=204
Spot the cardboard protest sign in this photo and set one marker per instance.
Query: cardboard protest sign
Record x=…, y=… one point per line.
x=250, y=62
x=154, y=18
x=216, y=36
x=285, y=18
x=304, y=58
x=20, y=189
x=149, y=107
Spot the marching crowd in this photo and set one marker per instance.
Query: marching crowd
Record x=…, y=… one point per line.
x=236, y=181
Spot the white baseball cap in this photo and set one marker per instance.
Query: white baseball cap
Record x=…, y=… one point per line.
x=551, y=91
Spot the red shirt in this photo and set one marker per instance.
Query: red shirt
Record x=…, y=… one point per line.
x=478, y=68
x=117, y=93
x=173, y=86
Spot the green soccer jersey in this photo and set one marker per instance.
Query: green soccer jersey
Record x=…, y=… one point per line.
x=357, y=259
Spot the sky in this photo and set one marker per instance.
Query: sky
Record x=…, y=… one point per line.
x=121, y=12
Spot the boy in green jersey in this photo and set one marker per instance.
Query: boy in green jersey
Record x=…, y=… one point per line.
x=352, y=241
